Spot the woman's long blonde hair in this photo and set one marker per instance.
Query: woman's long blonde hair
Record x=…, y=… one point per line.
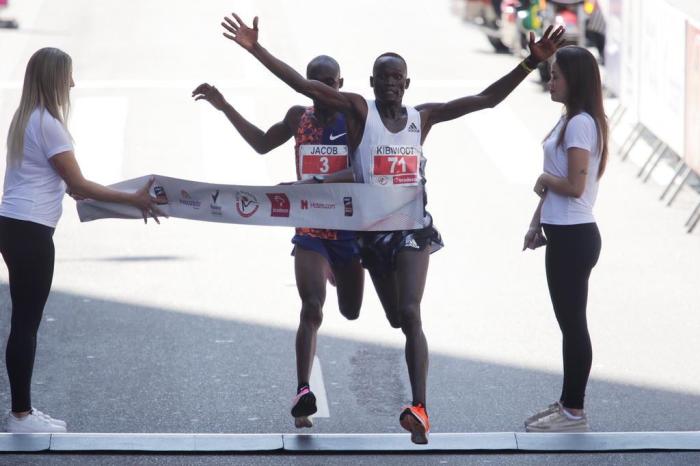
x=47, y=82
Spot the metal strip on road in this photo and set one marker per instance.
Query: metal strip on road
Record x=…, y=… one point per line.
x=399, y=442
x=454, y=442
x=122, y=442
x=238, y=442
x=24, y=442
x=608, y=441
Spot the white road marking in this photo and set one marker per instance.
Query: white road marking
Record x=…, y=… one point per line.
x=319, y=389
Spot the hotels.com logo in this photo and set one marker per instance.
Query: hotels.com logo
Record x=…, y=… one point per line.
x=279, y=204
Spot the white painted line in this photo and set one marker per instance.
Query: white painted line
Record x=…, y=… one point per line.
x=98, y=125
x=481, y=441
x=319, y=389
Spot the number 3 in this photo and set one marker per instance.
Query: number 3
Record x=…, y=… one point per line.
x=324, y=165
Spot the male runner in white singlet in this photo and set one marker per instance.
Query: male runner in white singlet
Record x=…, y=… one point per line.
x=385, y=139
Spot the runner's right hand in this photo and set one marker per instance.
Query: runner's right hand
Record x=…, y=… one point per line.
x=211, y=94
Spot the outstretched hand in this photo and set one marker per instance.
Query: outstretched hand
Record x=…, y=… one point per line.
x=547, y=45
x=211, y=94
x=240, y=33
x=147, y=204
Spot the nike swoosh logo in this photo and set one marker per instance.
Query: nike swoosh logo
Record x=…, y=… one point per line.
x=333, y=137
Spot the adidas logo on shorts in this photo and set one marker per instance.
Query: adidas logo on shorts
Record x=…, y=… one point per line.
x=413, y=128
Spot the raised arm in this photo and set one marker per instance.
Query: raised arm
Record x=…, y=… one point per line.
x=262, y=141
x=433, y=113
x=247, y=38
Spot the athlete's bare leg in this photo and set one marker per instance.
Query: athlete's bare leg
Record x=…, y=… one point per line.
x=400, y=293
x=350, y=284
x=311, y=270
x=411, y=272
x=387, y=288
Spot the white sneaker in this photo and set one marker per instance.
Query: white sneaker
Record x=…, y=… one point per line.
x=57, y=422
x=558, y=421
x=31, y=423
x=542, y=413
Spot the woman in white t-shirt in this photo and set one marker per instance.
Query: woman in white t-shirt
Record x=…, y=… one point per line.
x=575, y=154
x=40, y=163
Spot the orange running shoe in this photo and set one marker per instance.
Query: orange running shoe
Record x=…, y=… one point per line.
x=415, y=420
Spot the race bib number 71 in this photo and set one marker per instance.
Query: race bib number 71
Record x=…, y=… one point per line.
x=395, y=165
x=321, y=159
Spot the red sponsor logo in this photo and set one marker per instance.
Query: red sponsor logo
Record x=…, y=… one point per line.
x=279, y=203
x=405, y=179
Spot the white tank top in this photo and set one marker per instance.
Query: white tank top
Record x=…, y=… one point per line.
x=384, y=158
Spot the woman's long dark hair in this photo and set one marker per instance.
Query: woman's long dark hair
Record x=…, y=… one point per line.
x=580, y=70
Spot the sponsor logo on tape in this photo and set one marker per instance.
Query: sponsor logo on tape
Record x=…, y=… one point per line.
x=161, y=197
x=279, y=204
x=246, y=204
x=215, y=208
x=186, y=199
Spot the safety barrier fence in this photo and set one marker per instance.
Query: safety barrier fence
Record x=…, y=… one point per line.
x=653, y=67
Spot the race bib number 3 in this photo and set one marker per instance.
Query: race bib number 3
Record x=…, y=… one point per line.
x=395, y=165
x=321, y=160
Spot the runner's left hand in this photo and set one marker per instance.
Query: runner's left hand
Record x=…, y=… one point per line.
x=547, y=45
x=240, y=33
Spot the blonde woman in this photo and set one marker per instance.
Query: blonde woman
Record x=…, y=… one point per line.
x=40, y=163
x=575, y=154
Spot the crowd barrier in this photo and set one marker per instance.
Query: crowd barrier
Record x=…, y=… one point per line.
x=653, y=67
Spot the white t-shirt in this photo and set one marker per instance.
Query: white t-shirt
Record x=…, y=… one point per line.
x=582, y=133
x=34, y=191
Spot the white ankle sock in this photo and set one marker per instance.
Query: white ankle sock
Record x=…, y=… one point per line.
x=569, y=415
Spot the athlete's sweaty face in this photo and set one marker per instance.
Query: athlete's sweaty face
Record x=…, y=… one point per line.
x=389, y=79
